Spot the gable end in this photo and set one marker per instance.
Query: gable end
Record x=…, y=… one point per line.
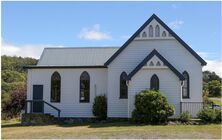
x=167, y=28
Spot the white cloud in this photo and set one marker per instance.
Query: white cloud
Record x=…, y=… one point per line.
x=125, y=36
x=176, y=24
x=215, y=66
x=33, y=51
x=94, y=33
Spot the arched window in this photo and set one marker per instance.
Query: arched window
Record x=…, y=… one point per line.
x=55, y=87
x=151, y=63
x=123, y=86
x=157, y=31
x=154, y=82
x=144, y=34
x=151, y=31
x=158, y=63
x=84, y=87
x=164, y=34
x=185, y=88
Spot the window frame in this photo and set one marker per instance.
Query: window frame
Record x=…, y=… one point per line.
x=123, y=77
x=52, y=85
x=151, y=31
x=157, y=31
x=151, y=82
x=188, y=85
x=87, y=100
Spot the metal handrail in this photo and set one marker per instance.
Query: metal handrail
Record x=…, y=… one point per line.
x=31, y=101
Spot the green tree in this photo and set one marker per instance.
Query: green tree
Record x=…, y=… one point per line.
x=14, y=83
x=210, y=76
x=214, y=88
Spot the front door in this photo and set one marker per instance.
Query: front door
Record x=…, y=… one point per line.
x=37, y=95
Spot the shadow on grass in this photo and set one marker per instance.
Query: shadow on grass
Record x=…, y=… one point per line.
x=11, y=125
x=102, y=125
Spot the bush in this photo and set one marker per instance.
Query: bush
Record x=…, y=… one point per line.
x=13, y=103
x=151, y=107
x=185, y=116
x=207, y=101
x=100, y=107
x=218, y=115
x=209, y=115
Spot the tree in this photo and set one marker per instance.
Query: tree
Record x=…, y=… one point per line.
x=210, y=76
x=14, y=83
x=214, y=88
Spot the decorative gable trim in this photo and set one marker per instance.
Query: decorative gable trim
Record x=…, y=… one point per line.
x=155, y=52
x=167, y=28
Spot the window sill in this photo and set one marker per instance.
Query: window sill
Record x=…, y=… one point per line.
x=186, y=98
x=54, y=102
x=123, y=98
x=84, y=102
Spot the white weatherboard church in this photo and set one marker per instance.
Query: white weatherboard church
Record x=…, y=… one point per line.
x=154, y=57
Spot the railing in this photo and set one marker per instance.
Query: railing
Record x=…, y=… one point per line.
x=43, y=103
x=192, y=107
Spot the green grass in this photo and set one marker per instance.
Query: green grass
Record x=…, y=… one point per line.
x=13, y=130
x=217, y=102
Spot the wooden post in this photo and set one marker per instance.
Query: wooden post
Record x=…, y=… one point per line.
x=31, y=109
x=25, y=107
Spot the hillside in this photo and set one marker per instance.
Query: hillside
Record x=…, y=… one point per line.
x=13, y=79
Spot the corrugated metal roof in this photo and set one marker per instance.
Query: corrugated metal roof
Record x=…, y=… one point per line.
x=84, y=56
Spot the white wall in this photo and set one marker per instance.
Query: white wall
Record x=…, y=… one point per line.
x=169, y=85
x=69, y=104
x=135, y=52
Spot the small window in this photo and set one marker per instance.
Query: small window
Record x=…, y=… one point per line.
x=150, y=31
x=151, y=63
x=157, y=31
x=84, y=87
x=123, y=86
x=164, y=34
x=185, y=88
x=55, y=87
x=144, y=34
x=154, y=82
x=158, y=63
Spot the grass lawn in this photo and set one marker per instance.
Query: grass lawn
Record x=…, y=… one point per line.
x=217, y=102
x=13, y=130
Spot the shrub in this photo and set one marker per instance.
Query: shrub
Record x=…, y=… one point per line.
x=218, y=115
x=151, y=107
x=185, y=116
x=209, y=115
x=100, y=107
x=207, y=101
x=14, y=103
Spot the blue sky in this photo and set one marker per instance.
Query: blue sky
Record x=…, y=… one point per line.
x=72, y=24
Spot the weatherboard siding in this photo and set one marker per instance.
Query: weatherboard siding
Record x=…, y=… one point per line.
x=134, y=53
x=69, y=104
x=169, y=85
